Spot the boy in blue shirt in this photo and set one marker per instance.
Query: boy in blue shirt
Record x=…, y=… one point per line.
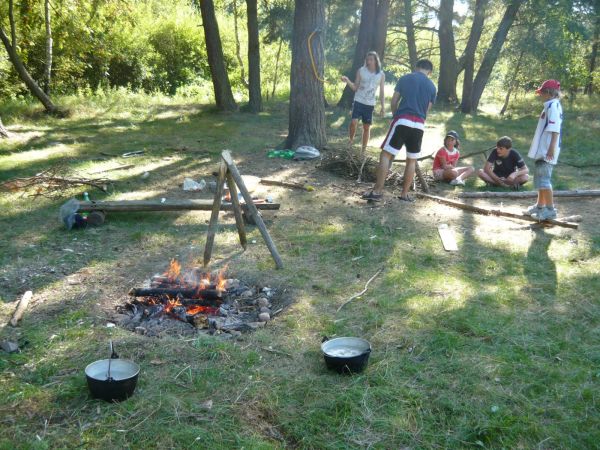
x=545, y=149
x=413, y=96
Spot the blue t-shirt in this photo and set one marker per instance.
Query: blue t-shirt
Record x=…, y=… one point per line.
x=417, y=91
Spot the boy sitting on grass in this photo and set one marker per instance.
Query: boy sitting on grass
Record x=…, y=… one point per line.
x=444, y=163
x=505, y=166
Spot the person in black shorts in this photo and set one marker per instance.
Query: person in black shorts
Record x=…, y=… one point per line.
x=505, y=166
x=413, y=96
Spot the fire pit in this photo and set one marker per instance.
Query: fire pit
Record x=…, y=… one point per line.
x=195, y=301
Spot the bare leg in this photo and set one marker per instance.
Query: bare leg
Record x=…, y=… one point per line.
x=385, y=159
x=409, y=175
x=352, y=130
x=363, y=151
x=450, y=174
x=485, y=177
x=464, y=172
x=545, y=198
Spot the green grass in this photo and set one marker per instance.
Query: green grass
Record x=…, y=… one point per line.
x=493, y=347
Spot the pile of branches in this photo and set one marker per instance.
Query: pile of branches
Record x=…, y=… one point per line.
x=53, y=182
x=345, y=162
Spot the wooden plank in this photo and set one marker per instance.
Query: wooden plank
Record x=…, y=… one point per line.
x=226, y=155
x=158, y=205
x=214, y=217
x=529, y=194
x=237, y=210
x=21, y=307
x=494, y=212
x=447, y=237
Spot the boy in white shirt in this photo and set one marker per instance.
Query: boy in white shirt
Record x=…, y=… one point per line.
x=545, y=149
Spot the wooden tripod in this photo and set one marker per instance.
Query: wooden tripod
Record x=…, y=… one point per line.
x=228, y=171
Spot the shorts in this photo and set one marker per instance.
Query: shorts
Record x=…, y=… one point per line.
x=542, y=175
x=363, y=112
x=400, y=135
x=438, y=174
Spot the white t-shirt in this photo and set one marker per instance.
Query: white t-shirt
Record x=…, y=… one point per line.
x=550, y=122
x=367, y=88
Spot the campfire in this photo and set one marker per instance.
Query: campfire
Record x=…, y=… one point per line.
x=195, y=300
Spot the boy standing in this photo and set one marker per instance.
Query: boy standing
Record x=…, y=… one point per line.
x=545, y=149
x=505, y=166
x=415, y=93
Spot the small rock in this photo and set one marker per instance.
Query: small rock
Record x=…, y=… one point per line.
x=110, y=325
x=235, y=333
x=263, y=302
x=145, y=175
x=264, y=309
x=247, y=294
x=140, y=330
x=264, y=317
x=256, y=325
x=223, y=311
x=232, y=283
x=9, y=347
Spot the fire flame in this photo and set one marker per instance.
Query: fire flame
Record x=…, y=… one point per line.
x=221, y=279
x=174, y=270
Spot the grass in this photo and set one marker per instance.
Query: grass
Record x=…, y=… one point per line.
x=494, y=347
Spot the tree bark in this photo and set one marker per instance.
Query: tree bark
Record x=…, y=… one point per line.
x=33, y=87
x=448, y=62
x=255, y=101
x=513, y=83
x=238, y=47
x=381, y=24
x=366, y=29
x=411, y=41
x=307, y=111
x=48, y=68
x=491, y=55
x=214, y=50
x=467, y=59
x=589, y=89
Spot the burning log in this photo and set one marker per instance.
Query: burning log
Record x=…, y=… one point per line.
x=199, y=302
x=206, y=294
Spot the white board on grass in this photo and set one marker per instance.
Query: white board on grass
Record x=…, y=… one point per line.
x=447, y=237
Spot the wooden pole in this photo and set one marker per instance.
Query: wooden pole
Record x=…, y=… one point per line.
x=237, y=210
x=529, y=194
x=21, y=307
x=422, y=180
x=226, y=155
x=494, y=212
x=214, y=217
x=158, y=205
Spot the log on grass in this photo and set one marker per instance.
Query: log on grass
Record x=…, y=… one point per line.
x=21, y=307
x=158, y=205
x=529, y=194
x=495, y=212
x=206, y=294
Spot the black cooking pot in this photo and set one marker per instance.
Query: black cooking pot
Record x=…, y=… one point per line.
x=346, y=354
x=112, y=379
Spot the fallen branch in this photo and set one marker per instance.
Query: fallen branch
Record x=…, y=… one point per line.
x=495, y=212
x=305, y=187
x=52, y=181
x=128, y=166
x=529, y=194
x=21, y=307
x=466, y=155
x=361, y=292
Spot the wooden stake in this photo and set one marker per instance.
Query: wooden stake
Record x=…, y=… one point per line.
x=237, y=210
x=21, y=307
x=421, y=178
x=494, y=212
x=529, y=194
x=214, y=217
x=226, y=155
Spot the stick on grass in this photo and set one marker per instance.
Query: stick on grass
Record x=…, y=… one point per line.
x=361, y=292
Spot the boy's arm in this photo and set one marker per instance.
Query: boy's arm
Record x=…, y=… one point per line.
x=552, y=146
x=395, y=101
x=488, y=168
x=382, y=93
x=351, y=85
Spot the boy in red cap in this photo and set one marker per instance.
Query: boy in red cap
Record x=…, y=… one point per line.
x=545, y=149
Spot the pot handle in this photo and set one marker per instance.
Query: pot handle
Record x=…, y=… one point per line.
x=324, y=339
x=113, y=354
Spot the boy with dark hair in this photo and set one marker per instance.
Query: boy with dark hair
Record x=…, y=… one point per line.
x=505, y=166
x=413, y=96
x=545, y=149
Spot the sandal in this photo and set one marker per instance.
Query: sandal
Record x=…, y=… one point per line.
x=406, y=199
x=372, y=196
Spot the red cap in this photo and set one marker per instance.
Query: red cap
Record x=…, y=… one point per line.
x=548, y=84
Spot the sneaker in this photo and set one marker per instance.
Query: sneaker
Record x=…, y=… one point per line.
x=457, y=182
x=545, y=214
x=532, y=210
x=372, y=196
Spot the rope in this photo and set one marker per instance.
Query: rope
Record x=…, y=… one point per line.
x=312, y=57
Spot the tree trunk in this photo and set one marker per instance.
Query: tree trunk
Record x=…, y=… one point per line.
x=238, y=47
x=276, y=70
x=513, y=83
x=491, y=55
x=467, y=59
x=381, y=24
x=448, y=62
x=48, y=68
x=223, y=95
x=307, y=112
x=255, y=102
x=366, y=30
x=33, y=87
x=3, y=131
x=589, y=89
x=411, y=41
